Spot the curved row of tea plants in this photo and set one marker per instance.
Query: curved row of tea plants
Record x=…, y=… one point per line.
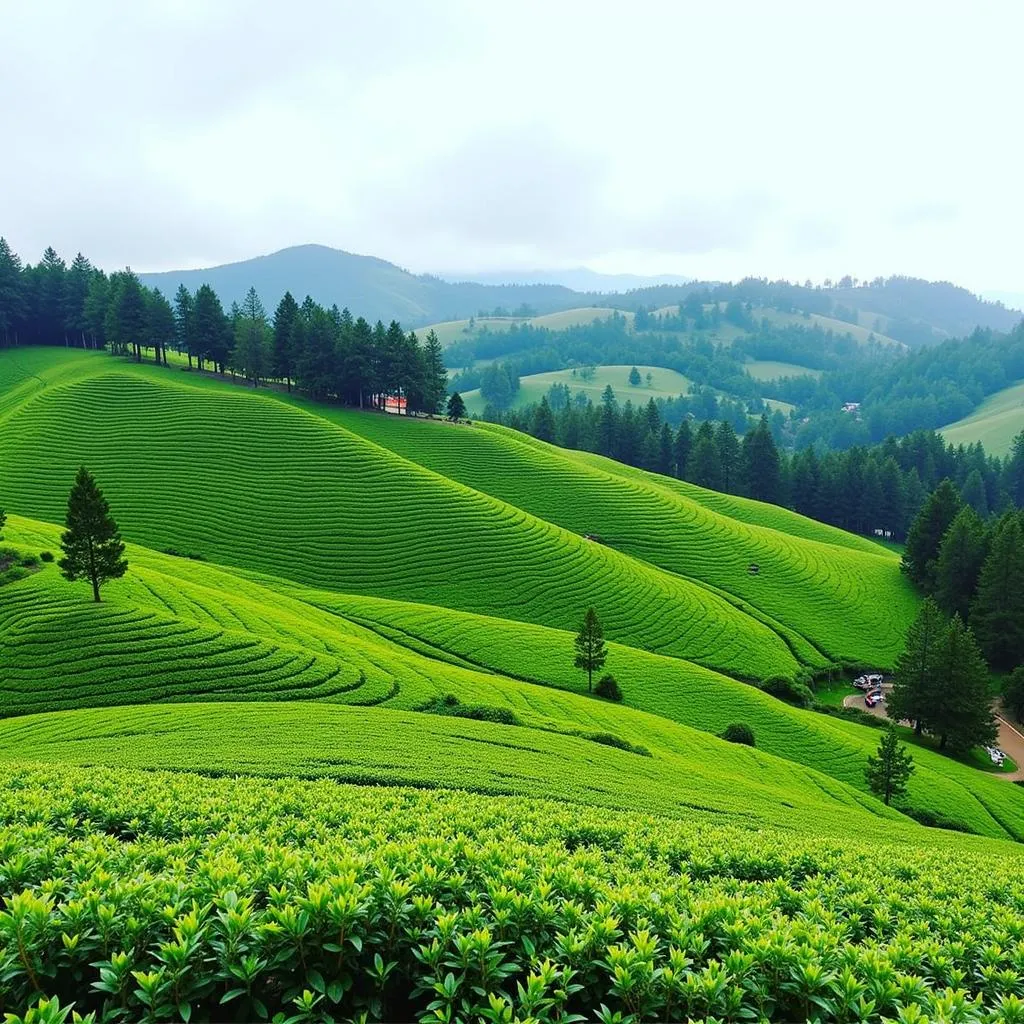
x=174, y=897
x=834, y=594
x=178, y=630
x=250, y=481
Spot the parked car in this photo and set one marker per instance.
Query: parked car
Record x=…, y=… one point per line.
x=874, y=698
x=876, y=678
x=996, y=756
x=862, y=683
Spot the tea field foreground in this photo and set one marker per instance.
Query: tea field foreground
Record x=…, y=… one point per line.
x=179, y=630
x=137, y=895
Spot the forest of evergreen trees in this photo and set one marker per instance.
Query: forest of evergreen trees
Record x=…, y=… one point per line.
x=326, y=352
x=863, y=489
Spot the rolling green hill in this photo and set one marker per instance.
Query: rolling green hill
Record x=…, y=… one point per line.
x=323, y=748
x=178, y=630
x=995, y=423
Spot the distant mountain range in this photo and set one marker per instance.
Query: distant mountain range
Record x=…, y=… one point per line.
x=919, y=312
x=368, y=286
x=579, y=279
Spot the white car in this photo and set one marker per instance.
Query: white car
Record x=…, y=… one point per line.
x=996, y=756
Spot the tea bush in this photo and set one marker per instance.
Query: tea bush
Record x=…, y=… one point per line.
x=739, y=732
x=174, y=897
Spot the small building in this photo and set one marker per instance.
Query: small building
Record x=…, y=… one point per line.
x=853, y=407
x=395, y=404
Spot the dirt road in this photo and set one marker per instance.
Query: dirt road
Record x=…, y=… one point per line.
x=1011, y=737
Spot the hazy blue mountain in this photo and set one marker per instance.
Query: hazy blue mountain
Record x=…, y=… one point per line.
x=579, y=279
x=368, y=286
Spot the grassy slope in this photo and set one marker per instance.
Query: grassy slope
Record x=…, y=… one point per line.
x=532, y=388
x=767, y=369
x=859, y=333
x=847, y=602
x=250, y=481
x=178, y=630
x=994, y=423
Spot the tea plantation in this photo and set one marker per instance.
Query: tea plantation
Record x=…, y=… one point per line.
x=322, y=753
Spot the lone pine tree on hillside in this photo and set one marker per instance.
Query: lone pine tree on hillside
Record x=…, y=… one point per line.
x=591, y=652
x=456, y=407
x=91, y=543
x=915, y=671
x=634, y=377
x=887, y=774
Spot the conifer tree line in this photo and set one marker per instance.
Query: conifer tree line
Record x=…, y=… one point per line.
x=327, y=353
x=880, y=488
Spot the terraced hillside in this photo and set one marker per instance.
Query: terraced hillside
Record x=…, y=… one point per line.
x=995, y=423
x=830, y=595
x=179, y=630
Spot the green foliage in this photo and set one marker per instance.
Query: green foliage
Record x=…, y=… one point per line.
x=926, y=532
x=1013, y=692
x=449, y=704
x=91, y=543
x=960, y=711
x=916, y=673
x=959, y=563
x=591, y=651
x=739, y=732
x=634, y=378
x=3, y=521
x=608, y=687
x=137, y=896
x=790, y=690
x=997, y=613
x=888, y=771
x=456, y=406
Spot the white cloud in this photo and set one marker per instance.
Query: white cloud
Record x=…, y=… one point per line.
x=796, y=139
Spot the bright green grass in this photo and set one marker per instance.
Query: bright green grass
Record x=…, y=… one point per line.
x=178, y=630
x=766, y=369
x=532, y=388
x=848, y=602
x=995, y=423
x=385, y=747
x=251, y=481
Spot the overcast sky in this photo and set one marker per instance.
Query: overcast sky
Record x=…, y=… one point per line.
x=713, y=139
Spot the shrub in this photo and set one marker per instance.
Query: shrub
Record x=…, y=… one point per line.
x=789, y=690
x=30, y=561
x=739, y=732
x=609, y=739
x=46, y=556
x=608, y=687
x=449, y=704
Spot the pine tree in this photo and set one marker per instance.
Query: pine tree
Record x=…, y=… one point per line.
x=997, y=614
x=926, y=533
x=959, y=711
x=160, y=323
x=130, y=311
x=252, y=339
x=608, y=426
x=13, y=299
x=283, y=361
x=914, y=673
x=1014, y=474
x=543, y=426
x=728, y=445
x=91, y=543
x=634, y=377
x=974, y=494
x=681, y=449
x=665, y=452
x=184, y=322
x=591, y=652
x=76, y=291
x=211, y=327
x=889, y=771
x=456, y=406
x=703, y=467
x=435, y=376
x=961, y=555
x=652, y=418
x=761, y=463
